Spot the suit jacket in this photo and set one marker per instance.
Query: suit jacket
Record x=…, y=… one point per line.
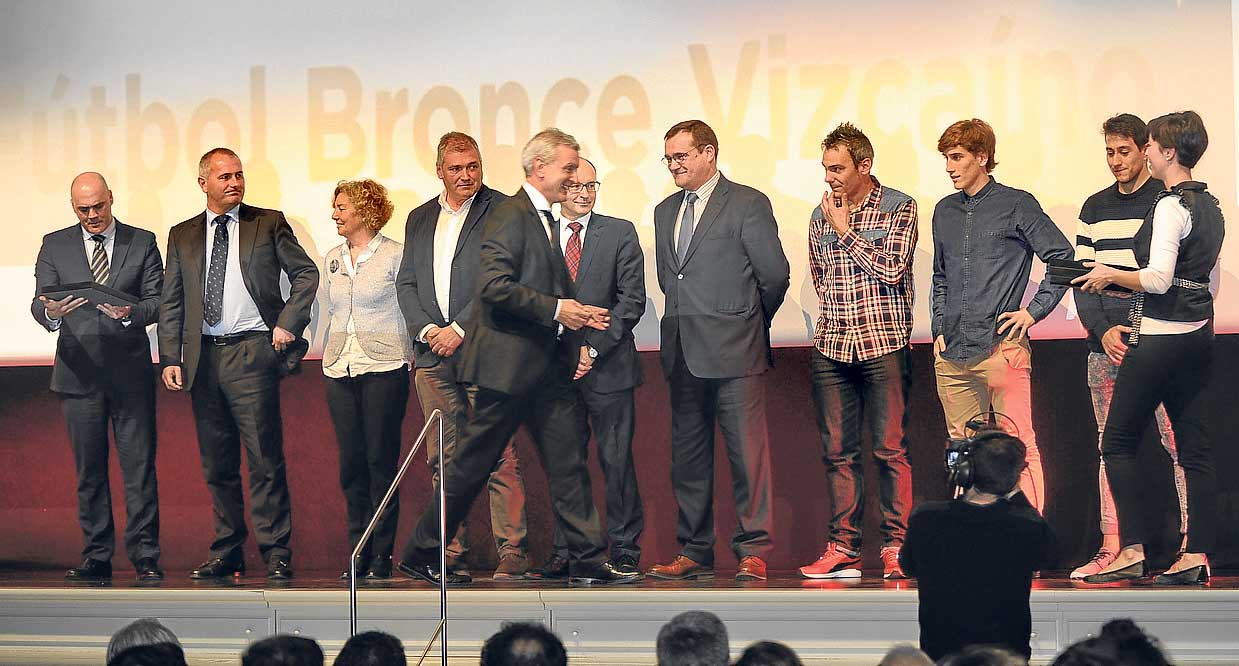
x=521, y=277
x=94, y=351
x=721, y=300
x=612, y=276
x=415, y=284
x=266, y=246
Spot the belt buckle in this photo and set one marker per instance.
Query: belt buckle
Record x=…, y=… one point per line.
x=219, y=341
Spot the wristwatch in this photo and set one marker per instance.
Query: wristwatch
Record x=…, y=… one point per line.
x=593, y=353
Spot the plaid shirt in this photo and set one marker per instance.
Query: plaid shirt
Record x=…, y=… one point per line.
x=864, y=277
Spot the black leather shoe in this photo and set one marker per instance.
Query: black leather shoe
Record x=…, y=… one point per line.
x=627, y=564
x=279, y=569
x=90, y=570
x=602, y=574
x=430, y=574
x=1197, y=575
x=148, y=569
x=1129, y=572
x=380, y=569
x=218, y=568
x=554, y=569
x=362, y=566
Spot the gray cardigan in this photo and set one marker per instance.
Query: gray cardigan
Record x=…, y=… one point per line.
x=370, y=298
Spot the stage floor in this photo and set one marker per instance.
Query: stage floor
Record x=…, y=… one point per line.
x=45, y=620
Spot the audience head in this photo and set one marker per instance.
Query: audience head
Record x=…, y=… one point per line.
x=768, y=653
x=1121, y=643
x=984, y=655
x=372, y=648
x=144, y=631
x=693, y=638
x=998, y=460
x=906, y=655
x=157, y=654
x=524, y=644
x=283, y=650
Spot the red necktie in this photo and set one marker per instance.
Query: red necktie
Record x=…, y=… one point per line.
x=572, y=253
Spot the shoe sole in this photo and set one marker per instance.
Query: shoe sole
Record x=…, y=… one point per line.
x=701, y=575
x=506, y=577
x=830, y=575
x=599, y=581
x=894, y=576
x=744, y=577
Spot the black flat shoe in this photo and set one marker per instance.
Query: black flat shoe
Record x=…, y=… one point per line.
x=1130, y=572
x=218, y=568
x=148, y=569
x=379, y=569
x=90, y=570
x=430, y=574
x=1197, y=575
x=279, y=569
x=602, y=574
x=555, y=568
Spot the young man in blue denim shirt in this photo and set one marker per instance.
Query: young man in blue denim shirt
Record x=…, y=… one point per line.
x=984, y=240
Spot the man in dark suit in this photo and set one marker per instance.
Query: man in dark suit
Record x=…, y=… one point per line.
x=521, y=358
x=103, y=372
x=225, y=335
x=436, y=288
x=723, y=272
x=607, y=269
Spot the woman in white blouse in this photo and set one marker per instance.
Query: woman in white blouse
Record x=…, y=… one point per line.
x=1169, y=357
x=366, y=364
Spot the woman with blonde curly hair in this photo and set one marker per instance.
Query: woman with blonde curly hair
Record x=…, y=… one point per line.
x=366, y=360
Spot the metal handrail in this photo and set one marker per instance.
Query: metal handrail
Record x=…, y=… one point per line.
x=436, y=417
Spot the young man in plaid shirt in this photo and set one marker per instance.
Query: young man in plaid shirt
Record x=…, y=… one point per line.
x=861, y=241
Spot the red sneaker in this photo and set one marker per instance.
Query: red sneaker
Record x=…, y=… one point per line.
x=834, y=563
x=890, y=564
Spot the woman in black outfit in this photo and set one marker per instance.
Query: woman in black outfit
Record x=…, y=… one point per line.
x=1169, y=356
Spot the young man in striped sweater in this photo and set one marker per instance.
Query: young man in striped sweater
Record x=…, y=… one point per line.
x=1108, y=221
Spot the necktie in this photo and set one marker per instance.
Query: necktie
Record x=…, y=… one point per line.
x=572, y=253
x=213, y=310
x=550, y=223
x=99, y=260
x=686, y=227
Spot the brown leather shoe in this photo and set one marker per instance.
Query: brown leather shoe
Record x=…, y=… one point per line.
x=752, y=567
x=682, y=568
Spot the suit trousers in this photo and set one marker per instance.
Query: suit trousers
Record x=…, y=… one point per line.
x=236, y=402
x=132, y=415
x=555, y=418
x=613, y=417
x=1173, y=370
x=368, y=411
x=738, y=406
x=846, y=396
x=1002, y=382
x=437, y=388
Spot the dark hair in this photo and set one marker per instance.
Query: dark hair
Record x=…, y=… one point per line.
x=850, y=137
x=1121, y=643
x=702, y=134
x=984, y=655
x=1185, y=132
x=143, y=631
x=283, y=650
x=1127, y=125
x=693, y=638
x=372, y=648
x=523, y=644
x=998, y=460
x=768, y=653
x=974, y=136
x=155, y=654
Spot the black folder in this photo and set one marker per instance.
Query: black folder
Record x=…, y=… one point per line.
x=93, y=292
x=1062, y=271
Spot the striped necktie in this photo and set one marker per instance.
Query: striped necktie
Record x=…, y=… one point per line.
x=99, y=260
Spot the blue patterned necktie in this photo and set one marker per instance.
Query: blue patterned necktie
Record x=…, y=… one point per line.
x=213, y=310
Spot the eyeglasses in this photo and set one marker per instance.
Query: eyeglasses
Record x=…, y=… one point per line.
x=588, y=187
x=677, y=158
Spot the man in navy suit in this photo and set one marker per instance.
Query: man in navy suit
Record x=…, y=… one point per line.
x=103, y=372
x=607, y=269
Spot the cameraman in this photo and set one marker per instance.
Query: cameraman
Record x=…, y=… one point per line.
x=974, y=557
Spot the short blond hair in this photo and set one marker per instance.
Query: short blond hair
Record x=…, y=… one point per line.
x=542, y=147
x=370, y=200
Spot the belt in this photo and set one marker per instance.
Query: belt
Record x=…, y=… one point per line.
x=1136, y=313
x=232, y=339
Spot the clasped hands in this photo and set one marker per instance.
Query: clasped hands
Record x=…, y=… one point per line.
x=575, y=315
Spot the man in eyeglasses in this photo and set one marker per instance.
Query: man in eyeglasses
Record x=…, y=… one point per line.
x=605, y=264
x=724, y=274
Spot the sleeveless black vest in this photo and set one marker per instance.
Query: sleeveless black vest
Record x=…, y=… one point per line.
x=1198, y=254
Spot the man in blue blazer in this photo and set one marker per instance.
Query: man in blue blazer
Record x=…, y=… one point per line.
x=103, y=372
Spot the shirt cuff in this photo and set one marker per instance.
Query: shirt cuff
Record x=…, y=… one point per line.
x=54, y=323
x=557, y=304
x=421, y=336
x=459, y=331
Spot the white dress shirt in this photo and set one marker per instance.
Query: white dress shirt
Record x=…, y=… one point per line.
x=240, y=312
x=540, y=203
x=109, y=239
x=703, y=197
x=447, y=235
x=565, y=233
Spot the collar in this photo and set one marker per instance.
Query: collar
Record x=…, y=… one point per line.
x=539, y=201
x=369, y=251
x=981, y=193
x=874, y=198
x=583, y=221
x=706, y=187
x=234, y=214
x=108, y=234
x=465, y=205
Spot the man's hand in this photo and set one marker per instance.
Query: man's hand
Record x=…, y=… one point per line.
x=939, y=345
x=1018, y=322
x=1112, y=342
x=280, y=338
x=837, y=209
x=573, y=315
x=113, y=311
x=58, y=309
x=584, y=364
x=172, y=378
x=443, y=341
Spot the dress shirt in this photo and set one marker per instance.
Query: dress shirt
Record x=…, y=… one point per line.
x=447, y=235
x=565, y=233
x=543, y=206
x=88, y=243
x=699, y=206
x=1171, y=224
x=240, y=312
x=353, y=360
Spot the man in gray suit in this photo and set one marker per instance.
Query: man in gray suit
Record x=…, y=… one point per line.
x=607, y=269
x=103, y=372
x=723, y=272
